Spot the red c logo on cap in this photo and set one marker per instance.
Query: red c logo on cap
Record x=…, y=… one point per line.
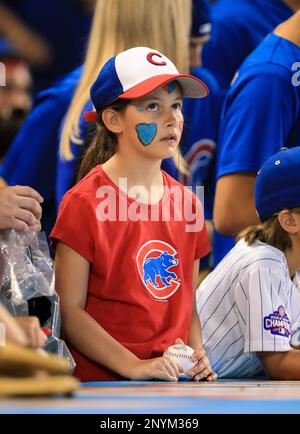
x=154, y=62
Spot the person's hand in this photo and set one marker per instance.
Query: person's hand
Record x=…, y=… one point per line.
x=20, y=208
x=160, y=368
x=202, y=370
x=30, y=325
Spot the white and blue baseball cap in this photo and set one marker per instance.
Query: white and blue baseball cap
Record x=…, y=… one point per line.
x=137, y=72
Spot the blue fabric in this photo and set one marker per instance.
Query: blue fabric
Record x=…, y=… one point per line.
x=32, y=157
x=201, y=17
x=107, y=86
x=6, y=48
x=261, y=112
x=221, y=246
x=66, y=169
x=238, y=26
x=64, y=25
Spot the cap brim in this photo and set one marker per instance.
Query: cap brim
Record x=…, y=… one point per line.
x=191, y=86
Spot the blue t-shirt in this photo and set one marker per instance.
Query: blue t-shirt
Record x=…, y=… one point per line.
x=238, y=26
x=31, y=159
x=261, y=112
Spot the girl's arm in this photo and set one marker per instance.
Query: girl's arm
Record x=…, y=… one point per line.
x=281, y=365
x=202, y=369
x=87, y=336
x=195, y=336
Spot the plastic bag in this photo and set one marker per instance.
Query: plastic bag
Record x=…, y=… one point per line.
x=27, y=284
x=27, y=267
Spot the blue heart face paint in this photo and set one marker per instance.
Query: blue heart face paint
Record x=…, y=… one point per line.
x=146, y=133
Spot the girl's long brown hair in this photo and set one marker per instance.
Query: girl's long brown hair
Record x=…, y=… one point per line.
x=270, y=232
x=104, y=144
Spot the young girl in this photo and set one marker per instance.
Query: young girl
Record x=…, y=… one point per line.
x=249, y=304
x=126, y=250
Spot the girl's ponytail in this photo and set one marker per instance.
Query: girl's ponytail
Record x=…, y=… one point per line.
x=101, y=150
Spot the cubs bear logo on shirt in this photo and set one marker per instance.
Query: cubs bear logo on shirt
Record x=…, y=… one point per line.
x=278, y=323
x=157, y=266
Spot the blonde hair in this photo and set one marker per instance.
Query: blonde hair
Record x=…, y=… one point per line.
x=118, y=25
x=270, y=232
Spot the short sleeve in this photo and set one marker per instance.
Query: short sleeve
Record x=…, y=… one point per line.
x=76, y=225
x=264, y=316
x=257, y=117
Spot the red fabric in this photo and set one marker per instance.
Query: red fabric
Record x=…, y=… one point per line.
x=90, y=116
x=117, y=296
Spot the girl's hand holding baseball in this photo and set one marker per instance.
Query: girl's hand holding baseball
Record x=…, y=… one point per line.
x=160, y=368
x=202, y=370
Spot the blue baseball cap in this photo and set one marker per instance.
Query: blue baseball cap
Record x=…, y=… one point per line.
x=277, y=184
x=201, y=19
x=135, y=73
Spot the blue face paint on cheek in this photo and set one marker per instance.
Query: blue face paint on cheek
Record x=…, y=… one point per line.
x=140, y=109
x=146, y=133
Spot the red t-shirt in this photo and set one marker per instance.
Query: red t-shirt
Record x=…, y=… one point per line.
x=140, y=283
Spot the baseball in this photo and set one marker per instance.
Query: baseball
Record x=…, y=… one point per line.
x=182, y=355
